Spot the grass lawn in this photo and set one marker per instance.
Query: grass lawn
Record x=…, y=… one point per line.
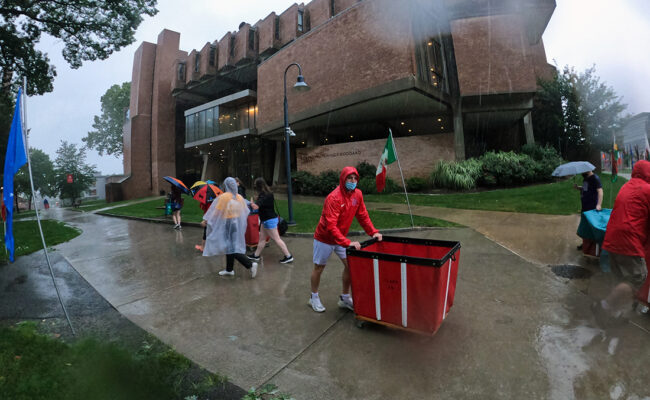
x=27, y=237
x=552, y=198
x=35, y=366
x=305, y=214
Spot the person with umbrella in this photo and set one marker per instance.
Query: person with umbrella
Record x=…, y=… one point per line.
x=204, y=193
x=591, y=198
x=178, y=188
x=226, y=221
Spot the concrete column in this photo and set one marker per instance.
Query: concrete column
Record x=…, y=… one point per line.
x=205, y=165
x=528, y=127
x=459, y=133
x=278, y=158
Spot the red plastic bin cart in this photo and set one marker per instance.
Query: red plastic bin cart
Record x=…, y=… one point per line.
x=405, y=283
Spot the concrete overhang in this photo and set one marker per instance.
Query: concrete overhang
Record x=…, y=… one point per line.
x=403, y=99
x=234, y=99
x=493, y=111
x=210, y=86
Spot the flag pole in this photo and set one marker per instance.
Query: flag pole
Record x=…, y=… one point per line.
x=402, y=175
x=38, y=219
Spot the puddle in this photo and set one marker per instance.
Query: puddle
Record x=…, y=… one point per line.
x=571, y=271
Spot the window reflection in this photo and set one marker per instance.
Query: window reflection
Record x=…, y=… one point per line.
x=220, y=120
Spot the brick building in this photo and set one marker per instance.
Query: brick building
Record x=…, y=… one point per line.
x=451, y=78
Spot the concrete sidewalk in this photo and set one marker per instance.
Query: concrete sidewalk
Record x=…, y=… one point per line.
x=515, y=331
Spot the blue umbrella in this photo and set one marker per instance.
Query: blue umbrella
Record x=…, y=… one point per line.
x=573, y=168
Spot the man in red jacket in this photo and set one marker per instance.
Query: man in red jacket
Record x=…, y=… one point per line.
x=627, y=240
x=341, y=206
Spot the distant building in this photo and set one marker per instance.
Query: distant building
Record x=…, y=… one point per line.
x=451, y=78
x=635, y=135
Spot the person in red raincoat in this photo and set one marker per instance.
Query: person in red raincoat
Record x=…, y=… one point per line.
x=341, y=206
x=627, y=240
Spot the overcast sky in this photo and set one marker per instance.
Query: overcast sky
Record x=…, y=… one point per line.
x=612, y=35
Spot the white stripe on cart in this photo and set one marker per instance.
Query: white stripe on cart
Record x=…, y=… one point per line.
x=444, y=309
x=375, y=267
x=404, y=296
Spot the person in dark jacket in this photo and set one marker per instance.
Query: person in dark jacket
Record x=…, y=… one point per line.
x=627, y=239
x=241, y=189
x=341, y=206
x=265, y=203
x=177, y=205
x=591, y=198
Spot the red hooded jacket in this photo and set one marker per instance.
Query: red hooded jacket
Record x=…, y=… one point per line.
x=340, y=208
x=628, y=230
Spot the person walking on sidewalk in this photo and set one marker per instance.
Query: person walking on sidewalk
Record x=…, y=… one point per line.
x=177, y=205
x=591, y=198
x=265, y=203
x=341, y=206
x=627, y=239
x=226, y=222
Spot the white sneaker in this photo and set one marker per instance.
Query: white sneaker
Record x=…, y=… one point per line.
x=346, y=303
x=316, y=305
x=254, y=270
x=224, y=272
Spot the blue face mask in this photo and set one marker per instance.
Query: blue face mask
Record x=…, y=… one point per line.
x=350, y=185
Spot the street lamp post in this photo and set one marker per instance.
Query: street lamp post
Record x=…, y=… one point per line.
x=300, y=86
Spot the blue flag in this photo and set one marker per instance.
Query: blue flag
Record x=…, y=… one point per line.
x=14, y=159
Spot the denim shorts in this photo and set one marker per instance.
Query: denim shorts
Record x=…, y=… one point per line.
x=322, y=252
x=270, y=223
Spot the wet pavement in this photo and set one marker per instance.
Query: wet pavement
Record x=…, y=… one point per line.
x=516, y=330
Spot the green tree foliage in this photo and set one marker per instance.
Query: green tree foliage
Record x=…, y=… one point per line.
x=107, y=136
x=72, y=160
x=575, y=112
x=88, y=29
x=42, y=172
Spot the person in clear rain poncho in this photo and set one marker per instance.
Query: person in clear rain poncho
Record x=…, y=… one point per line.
x=226, y=221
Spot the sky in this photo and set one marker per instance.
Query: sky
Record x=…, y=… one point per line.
x=612, y=35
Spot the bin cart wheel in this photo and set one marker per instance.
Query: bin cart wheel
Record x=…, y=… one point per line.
x=641, y=308
x=361, y=324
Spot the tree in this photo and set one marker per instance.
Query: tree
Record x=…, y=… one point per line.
x=89, y=30
x=71, y=160
x=107, y=136
x=576, y=112
x=42, y=172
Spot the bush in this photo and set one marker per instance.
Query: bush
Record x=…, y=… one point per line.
x=546, y=158
x=366, y=170
x=302, y=182
x=456, y=175
x=416, y=184
x=367, y=185
x=507, y=169
x=327, y=181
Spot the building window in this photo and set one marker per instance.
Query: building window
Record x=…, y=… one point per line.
x=435, y=63
x=181, y=71
x=301, y=21
x=251, y=39
x=197, y=62
x=232, y=46
x=277, y=28
x=213, y=56
x=333, y=7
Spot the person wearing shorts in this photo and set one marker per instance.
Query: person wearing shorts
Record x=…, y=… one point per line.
x=627, y=239
x=341, y=206
x=265, y=203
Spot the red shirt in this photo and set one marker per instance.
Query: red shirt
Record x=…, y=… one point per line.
x=628, y=230
x=340, y=208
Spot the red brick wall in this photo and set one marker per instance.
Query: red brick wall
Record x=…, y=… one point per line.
x=337, y=59
x=288, y=24
x=417, y=155
x=163, y=136
x=224, y=52
x=542, y=68
x=139, y=108
x=206, y=68
x=266, y=33
x=493, y=55
x=319, y=12
x=240, y=43
x=341, y=5
x=190, y=75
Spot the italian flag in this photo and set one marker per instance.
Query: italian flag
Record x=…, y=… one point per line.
x=387, y=157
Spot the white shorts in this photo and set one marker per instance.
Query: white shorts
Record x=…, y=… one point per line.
x=322, y=252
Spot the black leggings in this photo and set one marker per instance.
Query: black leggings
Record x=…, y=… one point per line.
x=243, y=260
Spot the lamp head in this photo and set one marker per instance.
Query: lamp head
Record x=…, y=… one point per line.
x=301, y=85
